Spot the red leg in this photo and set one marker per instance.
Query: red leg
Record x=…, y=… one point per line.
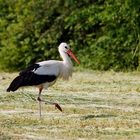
x=39, y=99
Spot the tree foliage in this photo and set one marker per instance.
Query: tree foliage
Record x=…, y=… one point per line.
x=103, y=33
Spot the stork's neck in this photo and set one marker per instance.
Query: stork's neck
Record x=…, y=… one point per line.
x=66, y=67
x=66, y=59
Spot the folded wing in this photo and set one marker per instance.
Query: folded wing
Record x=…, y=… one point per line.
x=35, y=74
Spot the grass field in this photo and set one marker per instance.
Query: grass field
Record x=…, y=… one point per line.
x=96, y=105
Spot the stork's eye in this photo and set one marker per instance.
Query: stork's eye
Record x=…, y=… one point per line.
x=66, y=47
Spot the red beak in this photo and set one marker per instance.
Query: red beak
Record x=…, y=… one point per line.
x=73, y=56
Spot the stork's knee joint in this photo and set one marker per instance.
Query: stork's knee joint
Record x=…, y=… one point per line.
x=39, y=99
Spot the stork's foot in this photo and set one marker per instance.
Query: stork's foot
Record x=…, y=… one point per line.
x=48, y=102
x=58, y=106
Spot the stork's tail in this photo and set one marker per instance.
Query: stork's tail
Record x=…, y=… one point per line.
x=15, y=84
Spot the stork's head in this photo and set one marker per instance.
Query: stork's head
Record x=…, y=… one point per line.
x=64, y=47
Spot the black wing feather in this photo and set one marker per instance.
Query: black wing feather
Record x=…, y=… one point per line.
x=29, y=69
x=28, y=78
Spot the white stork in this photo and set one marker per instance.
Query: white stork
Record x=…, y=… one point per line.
x=44, y=74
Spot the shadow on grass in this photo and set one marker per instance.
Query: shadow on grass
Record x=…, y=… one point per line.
x=97, y=116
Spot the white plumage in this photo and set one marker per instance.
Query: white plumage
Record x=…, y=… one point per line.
x=44, y=74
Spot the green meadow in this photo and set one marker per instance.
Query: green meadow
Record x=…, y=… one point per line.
x=96, y=105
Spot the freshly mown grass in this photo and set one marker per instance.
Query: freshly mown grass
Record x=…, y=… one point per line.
x=96, y=105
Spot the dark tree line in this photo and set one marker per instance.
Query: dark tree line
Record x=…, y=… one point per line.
x=103, y=33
